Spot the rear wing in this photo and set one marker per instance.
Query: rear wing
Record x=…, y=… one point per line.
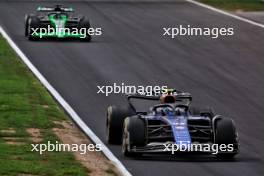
x=184, y=98
x=179, y=96
x=57, y=8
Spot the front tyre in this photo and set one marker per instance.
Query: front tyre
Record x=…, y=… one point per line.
x=114, y=122
x=33, y=23
x=225, y=133
x=134, y=134
x=26, y=25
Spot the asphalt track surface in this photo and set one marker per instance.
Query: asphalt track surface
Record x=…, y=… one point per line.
x=225, y=73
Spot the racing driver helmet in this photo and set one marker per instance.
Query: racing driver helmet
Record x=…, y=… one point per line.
x=167, y=98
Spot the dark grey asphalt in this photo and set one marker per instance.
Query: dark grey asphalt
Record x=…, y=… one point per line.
x=226, y=73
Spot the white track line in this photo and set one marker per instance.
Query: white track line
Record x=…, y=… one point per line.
x=226, y=13
x=65, y=105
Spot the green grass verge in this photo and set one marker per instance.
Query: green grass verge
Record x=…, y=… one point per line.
x=25, y=103
x=245, y=5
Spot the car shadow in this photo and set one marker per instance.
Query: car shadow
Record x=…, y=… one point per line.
x=186, y=157
x=60, y=40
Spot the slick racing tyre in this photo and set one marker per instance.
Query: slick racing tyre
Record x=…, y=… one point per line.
x=114, y=122
x=33, y=22
x=225, y=133
x=26, y=24
x=207, y=111
x=27, y=16
x=84, y=23
x=134, y=134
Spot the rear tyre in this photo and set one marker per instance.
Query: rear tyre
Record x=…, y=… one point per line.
x=114, y=122
x=195, y=111
x=134, y=134
x=207, y=111
x=84, y=23
x=225, y=133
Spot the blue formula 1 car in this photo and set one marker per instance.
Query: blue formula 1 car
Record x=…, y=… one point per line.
x=168, y=124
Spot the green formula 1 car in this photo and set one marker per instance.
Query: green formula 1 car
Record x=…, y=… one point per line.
x=56, y=22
